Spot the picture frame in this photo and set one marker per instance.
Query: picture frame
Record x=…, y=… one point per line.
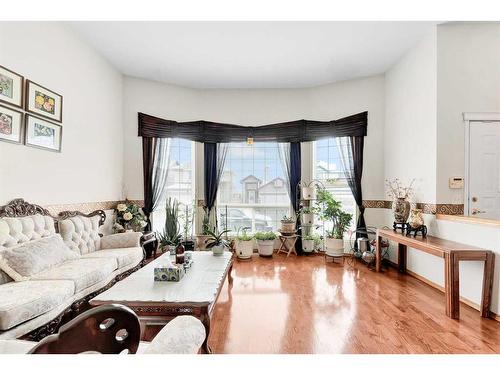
x=11, y=125
x=43, y=102
x=11, y=87
x=43, y=134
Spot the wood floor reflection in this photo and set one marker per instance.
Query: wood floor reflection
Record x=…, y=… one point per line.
x=302, y=305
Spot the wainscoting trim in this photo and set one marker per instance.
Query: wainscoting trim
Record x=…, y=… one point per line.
x=427, y=208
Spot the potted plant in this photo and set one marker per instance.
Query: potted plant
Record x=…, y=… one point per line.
x=287, y=225
x=201, y=239
x=216, y=242
x=307, y=215
x=309, y=242
x=265, y=243
x=171, y=236
x=244, y=244
x=188, y=216
x=309, y=192
x=332, y=211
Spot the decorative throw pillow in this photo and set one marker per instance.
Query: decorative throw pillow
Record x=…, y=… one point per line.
x=24, y=261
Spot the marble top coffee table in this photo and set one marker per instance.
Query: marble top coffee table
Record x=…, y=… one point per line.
x=158, y=302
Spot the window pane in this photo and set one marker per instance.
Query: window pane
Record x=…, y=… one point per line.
x=328, y=169
x=180, y=182
x=253, y=192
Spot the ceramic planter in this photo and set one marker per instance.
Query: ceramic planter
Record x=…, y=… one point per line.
x=308, y=246
x=265, y=247
x=244, y=249
x=201, y=241
x=218, y=250
x=307, y=219
x=287, y=227
x=416, y=219
x=334, y=246
x=309, y=192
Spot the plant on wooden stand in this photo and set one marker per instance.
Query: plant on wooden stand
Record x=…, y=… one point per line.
x=288, y=225
x=331, y=210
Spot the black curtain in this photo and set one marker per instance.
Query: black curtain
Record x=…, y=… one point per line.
x=215, y=158
x=295, y=176
x=351, y=154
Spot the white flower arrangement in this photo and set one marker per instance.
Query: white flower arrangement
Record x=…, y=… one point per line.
x=129, y=216
x=396, y=190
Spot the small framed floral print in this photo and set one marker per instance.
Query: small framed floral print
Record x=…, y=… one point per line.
x=43, y=102
x=44, y=134
x=11, y=87
x=11, y=125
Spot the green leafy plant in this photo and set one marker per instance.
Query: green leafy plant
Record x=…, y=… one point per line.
x=216, y=239
x=171, y=235
x=129, y=216
x=265, y=236
x=331, y=210
x=244, y=236
x=188, y=215
x=308, y=210
x=205, y=227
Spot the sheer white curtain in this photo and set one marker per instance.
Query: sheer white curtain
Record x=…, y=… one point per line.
x=160, y=175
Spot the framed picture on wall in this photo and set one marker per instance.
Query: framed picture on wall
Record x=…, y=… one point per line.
x=43, y=102
x=11, y=87
x=43, y=134
x=11, y=125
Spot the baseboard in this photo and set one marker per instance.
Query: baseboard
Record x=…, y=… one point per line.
x=465, y=301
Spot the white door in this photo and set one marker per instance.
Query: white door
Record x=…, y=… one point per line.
x=484, y=169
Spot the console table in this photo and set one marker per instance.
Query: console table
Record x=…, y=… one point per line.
x=452, y=253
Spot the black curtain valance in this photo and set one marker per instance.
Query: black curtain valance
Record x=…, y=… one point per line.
x=215, y=132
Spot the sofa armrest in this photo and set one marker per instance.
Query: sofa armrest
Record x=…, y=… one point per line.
x=121, y=240
x=183, y=335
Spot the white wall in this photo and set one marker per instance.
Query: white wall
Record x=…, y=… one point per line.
x=454, y=70
x=258, y=107
x=410, y=119
x=89, y=168
x=468, y=81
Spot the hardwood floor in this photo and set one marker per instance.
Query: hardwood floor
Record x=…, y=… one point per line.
x=302, y=305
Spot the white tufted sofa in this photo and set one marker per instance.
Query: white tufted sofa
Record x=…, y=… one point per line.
x=29, y=304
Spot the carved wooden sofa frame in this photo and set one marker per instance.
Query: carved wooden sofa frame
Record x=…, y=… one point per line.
x=20, y=208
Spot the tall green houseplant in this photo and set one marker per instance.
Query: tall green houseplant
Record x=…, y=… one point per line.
x=331, y=210
x=171, y=235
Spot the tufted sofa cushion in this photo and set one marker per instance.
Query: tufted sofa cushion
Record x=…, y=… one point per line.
x=81, y=233
x=18, y=230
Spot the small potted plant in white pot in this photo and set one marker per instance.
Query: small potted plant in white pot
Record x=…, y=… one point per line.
x=216, y=242
x=332, y=211
x=309, y=192
x=244, y=244
x=288, y=225
x=308, y=243
x=307, y=215
x=265, y=243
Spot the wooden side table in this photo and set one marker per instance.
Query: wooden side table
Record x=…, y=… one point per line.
x=287, y=244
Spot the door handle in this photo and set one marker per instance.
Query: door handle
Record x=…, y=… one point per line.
x=476, y=211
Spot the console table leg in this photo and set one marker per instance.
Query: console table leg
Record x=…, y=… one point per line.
x=378, y=254
x=452, y=286
x=402, y=250
x=489, y=266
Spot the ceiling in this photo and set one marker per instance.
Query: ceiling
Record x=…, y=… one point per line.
x=251, y=55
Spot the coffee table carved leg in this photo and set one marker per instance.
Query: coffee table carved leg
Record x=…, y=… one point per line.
x=205, y=319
